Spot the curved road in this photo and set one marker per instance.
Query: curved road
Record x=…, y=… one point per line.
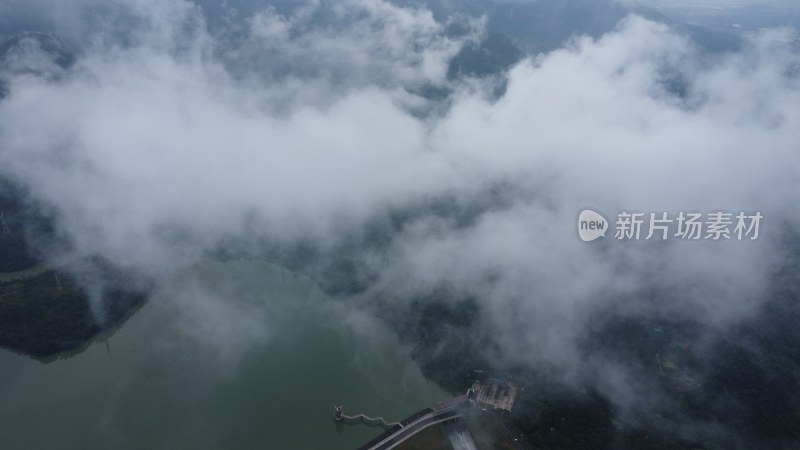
x=441, y=412
x=415, y=427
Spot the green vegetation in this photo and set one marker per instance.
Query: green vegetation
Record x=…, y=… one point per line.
x=563, y=420
x=44, y=313
x=15, y=253
x=486, y=431
x=725, y=383
x=446, y=345
x=493, y=55
x=431, y=438
x=40, y=319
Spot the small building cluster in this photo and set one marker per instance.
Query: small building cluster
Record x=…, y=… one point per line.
x=494, y=393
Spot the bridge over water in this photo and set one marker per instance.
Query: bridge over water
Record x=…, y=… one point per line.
x=398, y=432
x=340, y=416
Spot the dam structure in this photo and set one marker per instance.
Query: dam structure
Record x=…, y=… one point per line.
x=397, y=432
x=489, y=398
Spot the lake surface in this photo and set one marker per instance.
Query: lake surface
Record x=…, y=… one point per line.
x=226, y=355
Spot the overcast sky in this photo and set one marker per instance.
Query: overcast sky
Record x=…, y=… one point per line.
x=706, y=3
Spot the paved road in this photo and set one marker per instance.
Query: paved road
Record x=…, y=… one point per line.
x=417, y=426
x=442, y=412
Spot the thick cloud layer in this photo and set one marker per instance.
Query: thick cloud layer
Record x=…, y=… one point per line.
x=153, y=148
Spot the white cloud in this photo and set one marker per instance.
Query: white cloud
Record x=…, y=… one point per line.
x=154, y=151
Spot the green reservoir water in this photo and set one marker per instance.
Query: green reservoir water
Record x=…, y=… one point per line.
x=226, y=355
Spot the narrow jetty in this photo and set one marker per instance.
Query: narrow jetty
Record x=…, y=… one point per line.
x=340, y=416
